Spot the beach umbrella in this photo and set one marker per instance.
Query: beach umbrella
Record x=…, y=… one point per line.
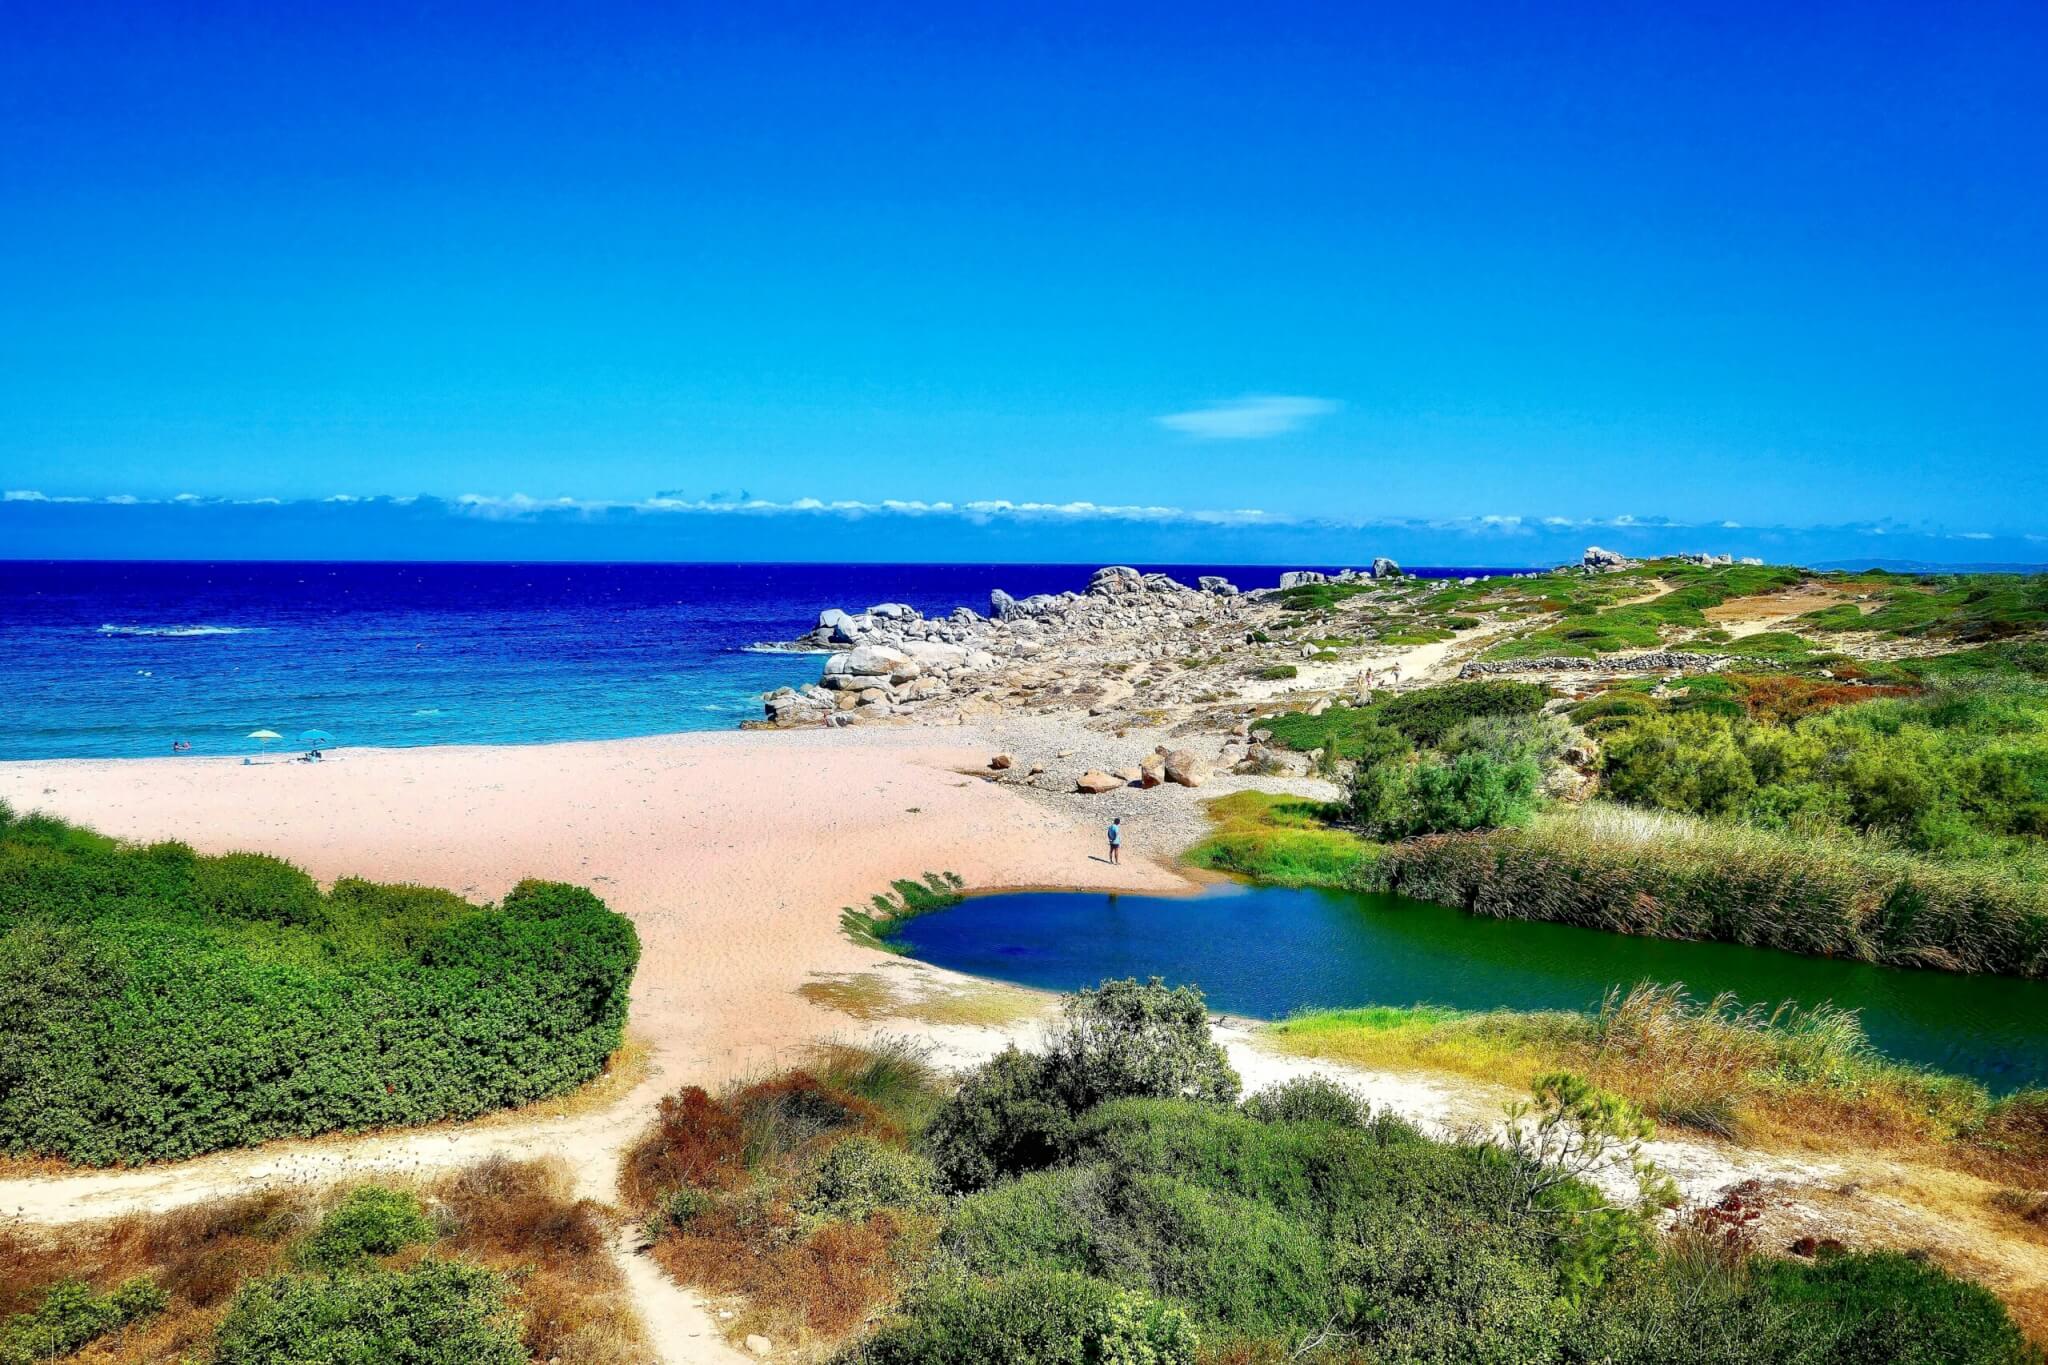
x=316, y=739
x=265, y=735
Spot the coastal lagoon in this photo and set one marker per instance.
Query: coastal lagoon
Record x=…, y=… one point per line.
x=1269, y=951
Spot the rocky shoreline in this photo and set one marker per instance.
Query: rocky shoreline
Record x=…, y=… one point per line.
x=1191, y=667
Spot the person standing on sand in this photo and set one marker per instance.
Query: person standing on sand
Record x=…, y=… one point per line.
x=1116, y=840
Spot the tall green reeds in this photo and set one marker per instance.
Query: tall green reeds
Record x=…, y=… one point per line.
x=1639, y=872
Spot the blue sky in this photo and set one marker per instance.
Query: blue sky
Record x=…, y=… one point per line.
x=1340, y=269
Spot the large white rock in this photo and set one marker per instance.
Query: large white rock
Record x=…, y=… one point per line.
x=878, y=661
x=1188, y=768
x=935, y=655
x=1115, y=580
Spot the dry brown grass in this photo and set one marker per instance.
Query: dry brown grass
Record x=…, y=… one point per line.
x=518, y=1218
x=742, y=1160
x=879, y=995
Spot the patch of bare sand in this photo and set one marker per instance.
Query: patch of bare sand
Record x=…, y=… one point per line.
x=1753, y=615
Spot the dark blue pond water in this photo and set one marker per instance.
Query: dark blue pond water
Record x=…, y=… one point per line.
x=1267, y=952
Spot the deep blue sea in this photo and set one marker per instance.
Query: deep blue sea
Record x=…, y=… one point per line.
x=124, y=659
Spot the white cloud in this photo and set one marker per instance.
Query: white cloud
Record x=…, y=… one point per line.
x=23, y=495
x=981, y=511
x=1250, y=418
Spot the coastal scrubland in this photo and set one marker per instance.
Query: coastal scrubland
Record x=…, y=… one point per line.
x=1890, y=810
x=1109, y=1198
x=158, y=1003
x=494, y=1264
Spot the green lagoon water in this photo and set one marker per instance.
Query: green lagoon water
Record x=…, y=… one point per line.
x=1268, y=951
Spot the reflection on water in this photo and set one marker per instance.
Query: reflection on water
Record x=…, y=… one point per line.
x=1269, y=951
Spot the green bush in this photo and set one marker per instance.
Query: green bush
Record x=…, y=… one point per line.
x=1427, y=716
x=859, y=1175
x=1237, y=1266
x=1310, y=1099
x=370, y=1222
x=1960, y=771
x=1016, y=1112
x=1397, y=799
x=1894, y=1308
x=1034, y=1317
x=159, y=1004
x=1126, y=1038
x=434, y=1313
x=72, y=1315
x=1278, y=673
x=1334, y=1178
x=1007, y=1117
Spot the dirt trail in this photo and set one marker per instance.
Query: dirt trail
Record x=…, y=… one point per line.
x=681, y=1328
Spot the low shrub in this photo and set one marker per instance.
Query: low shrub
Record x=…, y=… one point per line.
x=1009, y=1116
x=860, y=1175
x=436, y=1312
x=72, y=1316
x=1398, y=799
x=370, y=1222
x=1428, y=715
x=1310, y=1099
x=1278, y=673
x=1238, y=1267
x=1126, y=1038
x=159, y=1004
x=1893, y=1308
x=1033, y=1317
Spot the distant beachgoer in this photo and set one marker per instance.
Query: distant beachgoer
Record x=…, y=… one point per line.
x=1395, y=673
x=1116, y=839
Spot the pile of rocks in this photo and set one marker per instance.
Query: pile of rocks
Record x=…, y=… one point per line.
x=1056, y=648
x=1382, y=568
x=1658, y=661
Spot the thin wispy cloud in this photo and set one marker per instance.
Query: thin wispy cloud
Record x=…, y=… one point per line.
x=1251, y=418
x=1640, y=530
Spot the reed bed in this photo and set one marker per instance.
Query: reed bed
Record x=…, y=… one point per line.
x=1644, y=872
x=1780, y=1077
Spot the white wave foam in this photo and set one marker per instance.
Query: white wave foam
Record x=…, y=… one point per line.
x=178, y=631
x=769, y=647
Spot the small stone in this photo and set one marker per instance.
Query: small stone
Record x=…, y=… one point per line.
x=1095, y=782
x=759, y=1344
x=1001, y=761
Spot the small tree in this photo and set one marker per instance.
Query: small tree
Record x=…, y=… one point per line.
x=1567, y=1134
x=1126, y=1040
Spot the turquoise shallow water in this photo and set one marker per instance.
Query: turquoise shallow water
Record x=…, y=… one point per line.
x=1267, y=952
